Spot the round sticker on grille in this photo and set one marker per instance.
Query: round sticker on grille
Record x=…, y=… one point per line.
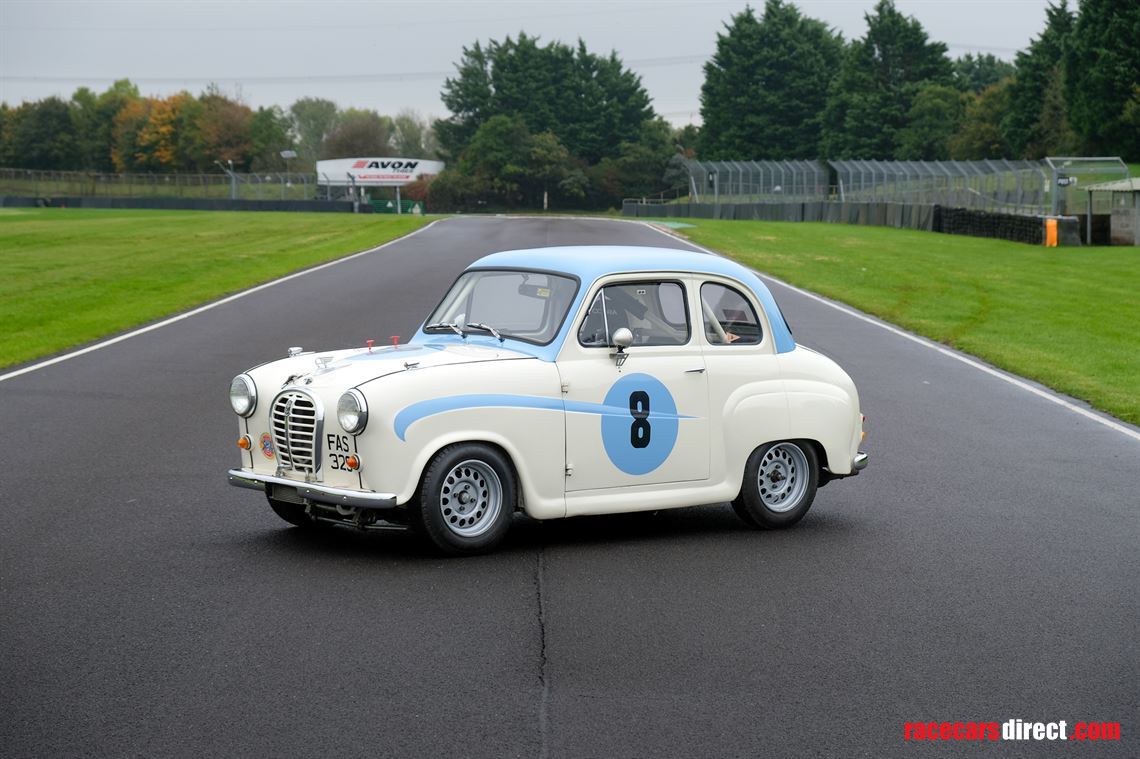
x=267, y=445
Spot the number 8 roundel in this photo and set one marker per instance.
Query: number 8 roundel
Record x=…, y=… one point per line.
x=639, y=427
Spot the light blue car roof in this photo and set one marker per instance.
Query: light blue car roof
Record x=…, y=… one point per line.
x=589, y=263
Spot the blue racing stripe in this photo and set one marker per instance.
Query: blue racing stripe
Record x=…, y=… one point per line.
x=417, y=411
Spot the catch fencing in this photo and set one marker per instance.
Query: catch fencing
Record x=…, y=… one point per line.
x=184, y=204
x=56, y=187
x=1001, y=186
x=757, y=181
x=238, y=186
x=1034, y=188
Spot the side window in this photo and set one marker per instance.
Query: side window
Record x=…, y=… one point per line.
x=728, y=316
x=655, y=312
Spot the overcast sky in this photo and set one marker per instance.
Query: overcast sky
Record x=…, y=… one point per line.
x=389, y=56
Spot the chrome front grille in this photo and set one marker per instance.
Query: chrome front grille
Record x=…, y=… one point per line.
x=296, y=421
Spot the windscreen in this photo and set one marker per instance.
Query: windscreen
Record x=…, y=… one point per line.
x=524, y=305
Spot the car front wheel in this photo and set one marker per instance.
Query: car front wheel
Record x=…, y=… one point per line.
x=466, y=499
x=780, y=481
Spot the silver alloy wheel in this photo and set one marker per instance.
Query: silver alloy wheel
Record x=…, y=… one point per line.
x=783, y=477
x=471, y=498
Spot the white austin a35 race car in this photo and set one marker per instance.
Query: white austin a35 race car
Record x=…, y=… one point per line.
x=558, y=382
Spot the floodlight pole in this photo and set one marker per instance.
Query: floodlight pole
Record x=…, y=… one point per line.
x=231, y=175
x=1088, y=220
x=287, y=155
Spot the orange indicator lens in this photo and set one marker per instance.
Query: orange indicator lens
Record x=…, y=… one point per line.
x=243, y=443
x=352, y=462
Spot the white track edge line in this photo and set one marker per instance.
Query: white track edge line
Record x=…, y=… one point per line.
x=207, y=307
x=927, y=343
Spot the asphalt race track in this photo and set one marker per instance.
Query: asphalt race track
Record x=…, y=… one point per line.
x=986, y=566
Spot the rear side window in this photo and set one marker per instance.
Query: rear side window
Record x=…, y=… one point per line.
x=728, y=316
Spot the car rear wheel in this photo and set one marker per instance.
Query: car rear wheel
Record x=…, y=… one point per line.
x=780, y=480
x=466, y=499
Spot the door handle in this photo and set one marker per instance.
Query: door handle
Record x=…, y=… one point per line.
x=695, y=371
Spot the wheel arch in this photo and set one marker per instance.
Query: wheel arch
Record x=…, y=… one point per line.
x=820, y=451
x=816, y=446
x=774, y=502
x=491, y=441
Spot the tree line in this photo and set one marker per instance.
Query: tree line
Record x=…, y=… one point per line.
x=119, y=130
x=533, y=123
x=783, y=85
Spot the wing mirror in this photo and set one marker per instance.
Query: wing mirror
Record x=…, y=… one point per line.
x=622, y=339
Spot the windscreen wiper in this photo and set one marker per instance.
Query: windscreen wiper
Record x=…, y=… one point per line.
x=438, y=326
x=486, y=328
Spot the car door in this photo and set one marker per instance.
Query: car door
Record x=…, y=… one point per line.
x=641, y=419
x=747, y=395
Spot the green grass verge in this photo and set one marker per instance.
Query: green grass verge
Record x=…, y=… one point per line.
x=1067, y=317
x=69, y=276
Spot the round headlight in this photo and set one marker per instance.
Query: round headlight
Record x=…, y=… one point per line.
x=352, y=412
x=243, y=395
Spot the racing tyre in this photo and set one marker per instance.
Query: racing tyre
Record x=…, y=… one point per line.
x=780, y=480
x=466, y=499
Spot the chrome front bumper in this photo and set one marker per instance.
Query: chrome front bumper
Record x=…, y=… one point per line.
x=858, y=463
x=364, y=499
